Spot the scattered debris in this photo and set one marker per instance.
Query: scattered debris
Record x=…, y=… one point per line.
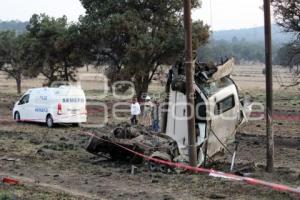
x=35, y=141
x=5, y=158
x=10, y=181
x=217, y=196
x=133, y=170
x=245, y=169
x=135, y=138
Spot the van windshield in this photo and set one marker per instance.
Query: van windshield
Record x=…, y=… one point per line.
x=212, y=88
x=24, y=100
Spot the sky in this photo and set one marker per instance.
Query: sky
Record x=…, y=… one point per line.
x=219, y=14
x=231, y=14
x=23, y=9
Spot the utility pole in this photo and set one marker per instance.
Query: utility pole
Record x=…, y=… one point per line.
x=189, y=83
x=269, y=87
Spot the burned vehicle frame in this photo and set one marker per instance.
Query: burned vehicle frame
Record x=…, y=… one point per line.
x=219, y=111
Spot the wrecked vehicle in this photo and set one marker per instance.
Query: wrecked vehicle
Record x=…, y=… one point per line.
x=138, y=139
x=219, y=111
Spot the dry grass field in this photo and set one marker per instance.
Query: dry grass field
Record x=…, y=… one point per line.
x=51, y=163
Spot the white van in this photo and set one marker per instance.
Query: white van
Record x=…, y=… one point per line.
x=65, y=104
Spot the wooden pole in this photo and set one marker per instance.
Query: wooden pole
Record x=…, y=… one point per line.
x=189, y=83
x=269, y=87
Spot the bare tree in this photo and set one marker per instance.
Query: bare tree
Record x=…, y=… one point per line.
x=287, y=15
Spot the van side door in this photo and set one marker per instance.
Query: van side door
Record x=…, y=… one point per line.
x=22, y=107
x=224, y=111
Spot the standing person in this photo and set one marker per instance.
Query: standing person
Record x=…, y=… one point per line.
x=155, y=116
x=147, y=112
x=135, y=110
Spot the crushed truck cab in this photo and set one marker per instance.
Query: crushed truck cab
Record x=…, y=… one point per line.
x=219, y=111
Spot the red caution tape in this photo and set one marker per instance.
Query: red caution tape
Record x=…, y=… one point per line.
x=278, y=116
x=210, y=172
x=10, y=181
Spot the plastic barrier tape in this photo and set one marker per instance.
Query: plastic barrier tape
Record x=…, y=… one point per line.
x=210, y=172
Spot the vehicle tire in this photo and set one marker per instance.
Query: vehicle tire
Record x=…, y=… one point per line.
x=17, y=116
x=163, y=168
x=153, y=166
x=49, y=121
x=92, y=145
x=75, y=124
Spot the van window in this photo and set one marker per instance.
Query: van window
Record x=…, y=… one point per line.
x=24, y=100
x=200, y=108
x=224, y=105
x=212, y=88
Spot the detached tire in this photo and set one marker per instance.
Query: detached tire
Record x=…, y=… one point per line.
x=49, y=121
x=17, y=116
x=92, y=145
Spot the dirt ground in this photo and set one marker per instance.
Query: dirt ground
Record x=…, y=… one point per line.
x=52, y=164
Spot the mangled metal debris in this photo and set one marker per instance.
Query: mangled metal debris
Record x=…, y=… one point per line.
x=219, y=112
x=138, y=139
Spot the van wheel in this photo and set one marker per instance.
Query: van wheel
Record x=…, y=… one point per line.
x=17, y=116
x=75, y=124
x=49, y=121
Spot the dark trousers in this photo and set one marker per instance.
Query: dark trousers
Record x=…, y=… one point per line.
x=133, y=120
x=155, y=125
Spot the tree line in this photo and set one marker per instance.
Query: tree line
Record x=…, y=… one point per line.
x=15, y=25
x=132, y=38
x=242, y=50
x=49, y=46
x=287, y=16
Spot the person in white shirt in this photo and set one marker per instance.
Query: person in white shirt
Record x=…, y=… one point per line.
x=135, y=110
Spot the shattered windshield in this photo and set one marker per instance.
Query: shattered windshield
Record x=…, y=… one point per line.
x=212, y=88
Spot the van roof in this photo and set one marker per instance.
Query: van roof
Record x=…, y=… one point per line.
x=54, y=88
